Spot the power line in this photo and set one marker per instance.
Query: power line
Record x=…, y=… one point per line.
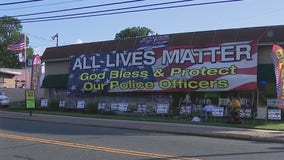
x=48, y=41
x=91, y=14
x=109, y=10
x=78, y=8
x=34, y=6
x=35, y=36
x=18, y=2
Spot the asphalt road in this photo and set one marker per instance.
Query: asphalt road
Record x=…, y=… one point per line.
x=32, y=140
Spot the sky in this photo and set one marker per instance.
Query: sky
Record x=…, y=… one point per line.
x=208, y=15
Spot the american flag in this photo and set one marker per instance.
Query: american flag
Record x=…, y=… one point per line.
x=19, y=45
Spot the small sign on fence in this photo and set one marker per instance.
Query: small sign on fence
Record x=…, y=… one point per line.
x=218, y=112
x=43, y=102
x=80, y=104
x=162, y=108
x=274, y=114
x=61, y=104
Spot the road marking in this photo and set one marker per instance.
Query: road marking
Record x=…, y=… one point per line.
x=96, y=148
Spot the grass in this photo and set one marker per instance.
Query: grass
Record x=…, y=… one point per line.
x=279, y=126
x=248, y=123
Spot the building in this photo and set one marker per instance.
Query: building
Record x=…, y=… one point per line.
x=15, y=78
x=58, y=61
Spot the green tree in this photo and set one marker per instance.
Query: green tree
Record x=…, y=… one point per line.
x=133, y=32
x=10, y=33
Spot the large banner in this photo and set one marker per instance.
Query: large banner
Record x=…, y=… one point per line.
x=220, y=67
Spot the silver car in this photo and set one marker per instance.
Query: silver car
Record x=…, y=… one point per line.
x=4, y=100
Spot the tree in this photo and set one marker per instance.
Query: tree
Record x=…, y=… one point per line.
x=133, y=32
x=10, y=32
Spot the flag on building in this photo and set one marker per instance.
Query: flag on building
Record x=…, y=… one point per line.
x=19, y=45
x=278, y=60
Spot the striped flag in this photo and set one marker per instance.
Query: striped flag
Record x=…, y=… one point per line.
x=19, y=45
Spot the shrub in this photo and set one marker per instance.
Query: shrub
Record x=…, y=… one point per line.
x=53, y=104
x=132, y=108
x=92, y=107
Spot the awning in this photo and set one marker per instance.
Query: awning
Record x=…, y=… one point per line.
x=9, y=71
x=55, y=81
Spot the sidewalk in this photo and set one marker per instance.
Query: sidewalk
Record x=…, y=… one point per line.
x=188, y=129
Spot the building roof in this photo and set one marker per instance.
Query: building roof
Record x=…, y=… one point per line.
x=264, y=35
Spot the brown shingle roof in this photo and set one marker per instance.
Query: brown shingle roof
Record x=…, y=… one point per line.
x=266, y=34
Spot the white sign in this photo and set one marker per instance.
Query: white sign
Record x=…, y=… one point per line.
x=261, y=112
x=61, y=104
x=43, y=102
x=141, y=108
x=185, y=109
x=119, y=107
x=114, y=106
x=123, y=107
x=245, y=113
x=101, y=106
x=274, y=114
x=80, y=104
x=162, y=108
x=218, y=112
x=271, y=102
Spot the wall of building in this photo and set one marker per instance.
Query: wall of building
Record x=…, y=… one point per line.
x=8, y=81
x=22, y=80
x=58, y=67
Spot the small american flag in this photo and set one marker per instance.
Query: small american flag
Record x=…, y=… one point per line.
x=19, y=46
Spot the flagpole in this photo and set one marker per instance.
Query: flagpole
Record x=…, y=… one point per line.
x=25, y=54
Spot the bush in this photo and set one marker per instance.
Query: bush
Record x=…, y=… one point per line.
x=132, y=108
x=92, y=107
x=53, y=104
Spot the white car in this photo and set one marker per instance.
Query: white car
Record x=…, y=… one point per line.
x=4, y=100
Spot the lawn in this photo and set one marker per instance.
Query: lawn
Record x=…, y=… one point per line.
x=247, y=123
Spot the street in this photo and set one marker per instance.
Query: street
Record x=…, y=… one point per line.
x=33, y=140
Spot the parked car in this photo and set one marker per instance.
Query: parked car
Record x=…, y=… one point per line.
x=4, y=99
